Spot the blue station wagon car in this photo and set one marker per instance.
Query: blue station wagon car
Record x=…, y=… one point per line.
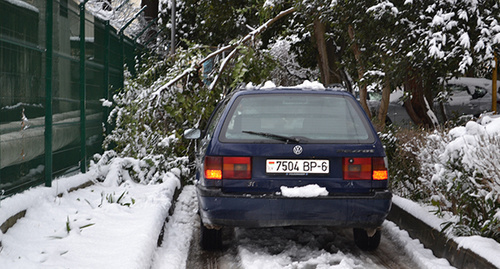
x=291, y=157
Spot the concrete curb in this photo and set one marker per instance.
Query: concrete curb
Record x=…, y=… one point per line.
x=439, y=243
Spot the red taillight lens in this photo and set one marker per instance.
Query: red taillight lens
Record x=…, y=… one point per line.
x=380, y=169
x=364, y=169
x=357, y=168
x=213, y=167
x=237, y=168
x=228, y=167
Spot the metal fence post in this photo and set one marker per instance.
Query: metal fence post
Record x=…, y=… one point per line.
x=48, y=94
x=172, y=34
x=83, y=92
x=107, y=29
x=494, y=91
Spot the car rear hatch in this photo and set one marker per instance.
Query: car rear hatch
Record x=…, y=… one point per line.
x=290, y=139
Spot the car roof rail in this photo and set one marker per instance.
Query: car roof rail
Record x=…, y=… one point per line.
x=336, y=86
x=240, y=86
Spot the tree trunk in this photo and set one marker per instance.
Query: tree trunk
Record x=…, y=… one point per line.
x=443, y=111
x=319, y=36
x=384, y=104
x=416, y=106
x=327, y=56
x=361, y=71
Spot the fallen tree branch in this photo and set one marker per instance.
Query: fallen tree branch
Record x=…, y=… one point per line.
x=233, y=47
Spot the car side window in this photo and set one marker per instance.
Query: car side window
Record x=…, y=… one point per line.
x=214, y=119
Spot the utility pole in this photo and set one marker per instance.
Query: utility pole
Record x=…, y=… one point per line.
x=172, y=37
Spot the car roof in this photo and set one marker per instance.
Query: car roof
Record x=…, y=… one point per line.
x=335, y=89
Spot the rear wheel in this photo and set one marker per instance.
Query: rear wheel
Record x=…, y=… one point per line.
x=210, y=239
x=364, y=241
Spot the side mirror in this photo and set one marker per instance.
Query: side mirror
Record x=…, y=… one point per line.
x=192, y=133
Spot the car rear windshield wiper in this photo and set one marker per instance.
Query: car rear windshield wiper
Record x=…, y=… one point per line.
x=285, y=139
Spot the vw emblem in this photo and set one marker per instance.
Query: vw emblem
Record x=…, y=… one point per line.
x=297, y=150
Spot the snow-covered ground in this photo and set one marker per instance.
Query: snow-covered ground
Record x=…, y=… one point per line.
x=95, y=228
x=101, y=226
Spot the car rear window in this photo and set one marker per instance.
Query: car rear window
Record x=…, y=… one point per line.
x=312, y=118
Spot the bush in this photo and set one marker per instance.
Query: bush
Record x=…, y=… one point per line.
x=458, y=171
x=403, y=164
x=149, y=118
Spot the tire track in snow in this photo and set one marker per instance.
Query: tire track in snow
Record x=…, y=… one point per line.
x=178, y=232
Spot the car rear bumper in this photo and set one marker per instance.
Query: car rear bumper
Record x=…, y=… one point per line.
x=358, y=211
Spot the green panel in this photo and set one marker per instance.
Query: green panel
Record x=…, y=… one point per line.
x=21, y=96
x=35, y=82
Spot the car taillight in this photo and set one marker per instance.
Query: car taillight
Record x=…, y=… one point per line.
x=213, y=167
x=228, y=167
x=364, y=169
x=379, y=169
x=237, y=168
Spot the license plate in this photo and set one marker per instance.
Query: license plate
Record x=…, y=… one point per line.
x=297, y=166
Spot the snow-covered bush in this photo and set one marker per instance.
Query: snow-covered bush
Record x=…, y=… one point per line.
x=149, y=118
x=459, y=173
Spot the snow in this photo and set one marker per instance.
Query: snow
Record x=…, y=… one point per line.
x=419, y=211
x=23, y=4
x=312, y=190
x=487, y=248
x=315, y=85
x=21, y=105
x=117, y=226
x=178, y=232
x=421, y=256
x=311, y=85
x=106, y=103
x=306, y=248
x=268, y=85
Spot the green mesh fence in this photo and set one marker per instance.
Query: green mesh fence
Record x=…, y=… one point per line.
x=51, y=113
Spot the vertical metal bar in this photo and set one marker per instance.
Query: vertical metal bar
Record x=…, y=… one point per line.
x=122, y=60
x=48, y=94
x=172, y=40
x=83, y=94
x=107, y=29
x=494, y=91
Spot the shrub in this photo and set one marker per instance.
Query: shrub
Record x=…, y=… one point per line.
x=403, y=164
x=149, y=118
x=456, y=170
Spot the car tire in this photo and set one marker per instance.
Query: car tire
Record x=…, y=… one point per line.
x=210, y=239
x=365, y=242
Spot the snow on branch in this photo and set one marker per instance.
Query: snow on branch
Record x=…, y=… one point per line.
x=234, y=47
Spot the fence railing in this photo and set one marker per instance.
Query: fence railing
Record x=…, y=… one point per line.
x=57, y=63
